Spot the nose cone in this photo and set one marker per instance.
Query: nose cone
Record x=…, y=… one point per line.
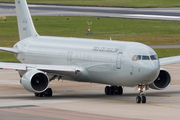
x=146, y=60
x=151, y=71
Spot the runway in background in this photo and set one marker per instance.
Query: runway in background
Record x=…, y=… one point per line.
x=7, y=9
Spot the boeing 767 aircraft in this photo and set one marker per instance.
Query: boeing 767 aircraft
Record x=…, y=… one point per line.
x=115, y=63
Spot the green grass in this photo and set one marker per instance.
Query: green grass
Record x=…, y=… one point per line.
x=149, y=32
x=119, y=3
x=167, y=52
x=7, y=57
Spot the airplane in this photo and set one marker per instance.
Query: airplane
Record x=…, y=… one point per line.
x=114, y=63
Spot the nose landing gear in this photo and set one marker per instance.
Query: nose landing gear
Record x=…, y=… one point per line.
x=142, y=96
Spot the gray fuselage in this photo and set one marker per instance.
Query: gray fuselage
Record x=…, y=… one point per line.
x=101, y=61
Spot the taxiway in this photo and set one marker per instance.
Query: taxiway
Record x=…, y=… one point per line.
x=74, y=101
x=7, y=9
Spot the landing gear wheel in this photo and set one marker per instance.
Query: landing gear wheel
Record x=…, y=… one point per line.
x=119, y=90
x=143, y=99
x=113, y=90
x=36, y=94
x=142, y=96
x=40, y=94
x=48, y=92
x=107, y=90
x=138, y=99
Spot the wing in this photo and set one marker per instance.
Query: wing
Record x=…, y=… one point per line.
x=57, y=69
x=8, y=49
x=169, y=60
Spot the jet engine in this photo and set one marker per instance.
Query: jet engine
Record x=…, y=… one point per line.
x=162, y=81
x=35, y=81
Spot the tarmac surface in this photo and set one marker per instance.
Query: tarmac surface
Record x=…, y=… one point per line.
x=7, y=9
x=85, y=101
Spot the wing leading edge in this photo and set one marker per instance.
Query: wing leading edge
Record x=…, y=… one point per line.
x=169, y=60
x=8, y=49
x=46, y=68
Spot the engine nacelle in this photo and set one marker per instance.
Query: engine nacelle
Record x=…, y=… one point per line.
x=35, y=81
x=162, y=81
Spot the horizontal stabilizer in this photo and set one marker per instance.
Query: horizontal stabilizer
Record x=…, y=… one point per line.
x=8, y=49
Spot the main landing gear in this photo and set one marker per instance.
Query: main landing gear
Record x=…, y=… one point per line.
x=141, y=97
x=111, y=90
x=46, y=93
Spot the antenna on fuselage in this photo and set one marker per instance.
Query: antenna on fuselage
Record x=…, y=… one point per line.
x=110, y=39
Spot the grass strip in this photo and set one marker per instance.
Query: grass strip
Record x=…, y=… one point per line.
x=167, y=52
x=150, y=32
x=7, y=57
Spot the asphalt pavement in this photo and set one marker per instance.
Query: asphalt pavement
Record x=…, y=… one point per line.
x=87, y=101
x=7, y=9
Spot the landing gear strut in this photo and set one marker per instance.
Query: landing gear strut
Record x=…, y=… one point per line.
x=111, y=90
x=46, y=93
x=142, y=96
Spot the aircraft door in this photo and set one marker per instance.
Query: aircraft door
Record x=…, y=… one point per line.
x=69, y=56
x=118, y=60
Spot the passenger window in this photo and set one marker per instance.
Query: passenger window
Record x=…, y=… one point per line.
x=145, y=57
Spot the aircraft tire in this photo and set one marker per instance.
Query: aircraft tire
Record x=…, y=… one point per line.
x=120, y=90
x=40, y=94
x=138, y=99
x=48, y=92
x=107, y=90
x=36, y=94
x=143, y=99
x=112, y=90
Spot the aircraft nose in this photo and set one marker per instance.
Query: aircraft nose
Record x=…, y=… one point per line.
x=151, y=70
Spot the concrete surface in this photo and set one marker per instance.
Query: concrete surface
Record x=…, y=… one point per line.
x=85, y=101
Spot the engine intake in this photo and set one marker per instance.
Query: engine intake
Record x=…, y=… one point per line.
x=35, y=81
x=162, y=81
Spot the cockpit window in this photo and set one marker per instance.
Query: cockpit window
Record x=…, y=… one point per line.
x=134, y=58
x=138, y=57
x=144, y=57
x=154, y=57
